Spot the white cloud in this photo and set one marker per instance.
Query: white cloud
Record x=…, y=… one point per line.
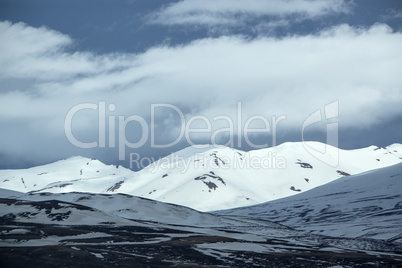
x=292, y=76
x=392, y=14
x=40, y=53
x=234, y=12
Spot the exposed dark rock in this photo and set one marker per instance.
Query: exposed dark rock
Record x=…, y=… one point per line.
x=116, y=186
x=84, y=198
x=343, y=173
x=217, y=160
x=304, y=165
x=294, y=189
x=211, y=175
x=63, y=185
x=211, y=185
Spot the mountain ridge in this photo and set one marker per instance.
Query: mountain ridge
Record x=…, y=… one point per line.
x=205, y=179
x=366, y=205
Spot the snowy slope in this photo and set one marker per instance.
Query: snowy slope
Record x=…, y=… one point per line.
x=105, y=230
x=205, y=179
x=227, y=178
x=62, y=174
x=125, y=210
x=368, y=205
x=126, y=207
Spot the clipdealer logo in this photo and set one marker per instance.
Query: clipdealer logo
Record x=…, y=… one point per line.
x=239, y=128
x=236, y=126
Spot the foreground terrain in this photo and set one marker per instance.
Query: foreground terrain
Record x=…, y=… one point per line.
x=127, y=246
x=352, y=221
x=103, y=230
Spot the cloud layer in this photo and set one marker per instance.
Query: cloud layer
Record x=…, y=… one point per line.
x=236, y=12
x=42, y=77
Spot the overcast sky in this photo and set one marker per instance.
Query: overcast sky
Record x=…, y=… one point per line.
x=281, y=59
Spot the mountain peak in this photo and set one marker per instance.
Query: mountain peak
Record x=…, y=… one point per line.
x=209, y=178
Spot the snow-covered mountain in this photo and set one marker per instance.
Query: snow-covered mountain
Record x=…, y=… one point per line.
x=367, y=205
x=228, y=178
x=102, y=230
x=205, y=179
x=96, y=175
x=118, y=206
x=356, y=219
